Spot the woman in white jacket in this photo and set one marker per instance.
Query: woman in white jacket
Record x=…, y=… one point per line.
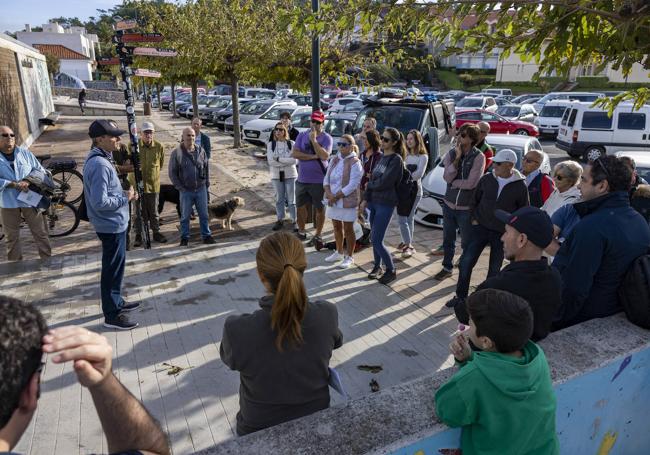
x=283, y=174
x=342, y=194
x=566, y=176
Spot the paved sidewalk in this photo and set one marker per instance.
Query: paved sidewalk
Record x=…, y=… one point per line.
x=186, y=295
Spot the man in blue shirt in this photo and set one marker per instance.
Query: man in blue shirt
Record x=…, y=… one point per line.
x=108, y=211
x=15, y=164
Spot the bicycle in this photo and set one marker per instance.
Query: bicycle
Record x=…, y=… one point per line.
x=64, y=172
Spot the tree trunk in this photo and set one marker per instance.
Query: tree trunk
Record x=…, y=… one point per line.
x=234, y=88
x=173, y=104
x=195, y=103
x=158, y=94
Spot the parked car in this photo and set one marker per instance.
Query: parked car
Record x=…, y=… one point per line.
x=214, y=105
x=181, y=99
x=429, y=210
x=306, y=100
x=486, y=103
x=261, y=93
x=340, y=103
x=523, y=112
x=455, y=95
x=498, y=124
x=641, y=159
x=497, y=91
x=219, y=117
x=548, y=121
x=589, y=132
x=202, y=101
x=186, y=109
x=255, y=110
x=258, y=131
x=520, y=99
x=503, y=100
x=569, y=96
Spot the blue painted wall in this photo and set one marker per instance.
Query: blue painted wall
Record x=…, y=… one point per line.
x=604, y=412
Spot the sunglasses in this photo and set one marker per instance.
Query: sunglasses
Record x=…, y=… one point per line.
x=385, y=139
x=316, y=122
x=279, y=130
x=8, y=135
x=343, y=144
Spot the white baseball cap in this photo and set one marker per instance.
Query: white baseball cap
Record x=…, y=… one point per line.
x=505, y=156
x=148, y=126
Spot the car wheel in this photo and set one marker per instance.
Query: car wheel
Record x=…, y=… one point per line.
x=593, y=152
x=521, y=132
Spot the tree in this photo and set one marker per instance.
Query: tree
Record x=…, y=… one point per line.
x=557, y=34
x=53, y=64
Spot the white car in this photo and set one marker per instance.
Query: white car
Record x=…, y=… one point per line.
x=340, y=103
x=642, y=161
x=473, y=102
x=548, y=121
x=429, y=211
x=259, y=130
x=255, y=110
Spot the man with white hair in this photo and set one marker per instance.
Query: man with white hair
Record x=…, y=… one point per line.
x=540, y=186
x=369, y=124
x=504, y=188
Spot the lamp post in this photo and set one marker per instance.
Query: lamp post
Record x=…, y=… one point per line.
x=315, y=63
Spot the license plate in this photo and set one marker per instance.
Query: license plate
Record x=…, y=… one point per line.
x=251, y=134
x=547, y=131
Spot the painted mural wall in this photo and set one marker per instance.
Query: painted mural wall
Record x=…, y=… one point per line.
x=36, y=88
x=603, y=412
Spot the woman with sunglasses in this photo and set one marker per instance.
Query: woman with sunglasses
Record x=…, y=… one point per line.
x=381, y=199
x=369, y=159
x=283, y=174
x=341, y=186
x=416, y=162
x=566, y=176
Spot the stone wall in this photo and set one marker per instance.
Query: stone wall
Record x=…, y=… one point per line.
x=107, y=96
x=12, y=104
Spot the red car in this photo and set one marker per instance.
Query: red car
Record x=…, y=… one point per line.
x=498, y=124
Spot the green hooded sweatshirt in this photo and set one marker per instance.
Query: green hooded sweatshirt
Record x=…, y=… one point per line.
x=506, y=405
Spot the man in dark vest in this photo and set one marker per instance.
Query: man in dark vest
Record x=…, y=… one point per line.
x=540, y=186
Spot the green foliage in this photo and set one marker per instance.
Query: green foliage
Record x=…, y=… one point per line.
x=53, y=64
x=450, y=79
x=592, y=81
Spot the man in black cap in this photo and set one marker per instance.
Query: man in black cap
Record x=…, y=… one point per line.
x=108, y=211
x=528, y=231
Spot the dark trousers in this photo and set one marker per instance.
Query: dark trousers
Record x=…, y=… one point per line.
x=113, y=264
x=480, y=237
x=452, y=221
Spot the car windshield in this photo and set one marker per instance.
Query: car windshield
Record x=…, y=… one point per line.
x=336, y=127
x=552, y=111
x=644, y=173
x=274, y=114
x=401, y=117
x=255, y=108
x=470, y=102
x=509, y=111
x=219, y=102
x=352, y=107
x=202, y=99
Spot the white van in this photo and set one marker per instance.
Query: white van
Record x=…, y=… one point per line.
x=497, y=91
x=548, y=121
x=567, y=96
x=590, y=133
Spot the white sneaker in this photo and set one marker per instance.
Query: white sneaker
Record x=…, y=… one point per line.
x=347, y=263
x=334, y=257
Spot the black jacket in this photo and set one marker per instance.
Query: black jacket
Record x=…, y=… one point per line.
x=595, y=257
x=382, y=186
x=534, y=281
x=513, y=196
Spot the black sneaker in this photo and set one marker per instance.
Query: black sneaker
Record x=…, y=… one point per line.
x=209, y=240
x=130, y=306
x=441, y=275
x=137, y=243
x=315, y=241
x=375, y=273
x=120, y=322
x=301, y=235
x=158, y=237
x=453, y=302
x=277, y=226
x=184, y=242
x=388, y=277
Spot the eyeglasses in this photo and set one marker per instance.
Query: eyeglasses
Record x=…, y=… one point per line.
x=279, y=130
x=385, y=139
x=343, y=144
x=8, y=135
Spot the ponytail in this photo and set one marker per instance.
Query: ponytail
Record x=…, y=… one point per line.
x=281, y=262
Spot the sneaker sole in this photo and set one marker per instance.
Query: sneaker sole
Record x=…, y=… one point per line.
x=117, y=327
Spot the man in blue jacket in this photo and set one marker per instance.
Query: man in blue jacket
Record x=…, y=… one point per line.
x=15, y=164
x=108, y=211
x=595, y=257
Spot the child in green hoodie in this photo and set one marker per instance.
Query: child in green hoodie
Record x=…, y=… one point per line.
x=502, y=396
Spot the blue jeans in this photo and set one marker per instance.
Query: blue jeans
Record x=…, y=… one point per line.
x=453, y=220
x=380, y=216
x=480, y=237
x=285, y=191
x=407, y=223
x=113, y=264
x=199, y=199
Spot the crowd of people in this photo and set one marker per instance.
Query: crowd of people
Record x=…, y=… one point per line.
x=569, y=239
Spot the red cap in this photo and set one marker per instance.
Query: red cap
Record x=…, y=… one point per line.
x=319, y=116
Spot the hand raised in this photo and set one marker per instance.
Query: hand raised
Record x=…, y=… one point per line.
x=460, y=348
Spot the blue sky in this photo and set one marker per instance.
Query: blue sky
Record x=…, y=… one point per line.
x=17, y=13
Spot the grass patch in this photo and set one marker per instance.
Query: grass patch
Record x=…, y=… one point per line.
x=450, y=79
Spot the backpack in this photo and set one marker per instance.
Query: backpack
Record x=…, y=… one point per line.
x=634, y=292
x=407, y=191
x=274, y=144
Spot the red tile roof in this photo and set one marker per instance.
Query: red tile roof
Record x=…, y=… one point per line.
x=60, y=51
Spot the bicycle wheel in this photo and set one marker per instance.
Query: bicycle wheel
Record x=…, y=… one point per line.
x=72, y=184
x=61, y=218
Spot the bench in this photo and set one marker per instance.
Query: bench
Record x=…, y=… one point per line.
x=50, y=120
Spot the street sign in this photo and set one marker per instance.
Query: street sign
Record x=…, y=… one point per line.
x=125, y=25
x=141, y=38
x=108, y=61
x=154, y=52
x=143, y=72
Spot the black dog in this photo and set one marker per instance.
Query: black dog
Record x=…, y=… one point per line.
x=169, y=194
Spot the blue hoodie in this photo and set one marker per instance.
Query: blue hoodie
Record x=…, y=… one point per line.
x=108, y=207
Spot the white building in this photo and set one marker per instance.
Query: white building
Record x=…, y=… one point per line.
x=79, y=58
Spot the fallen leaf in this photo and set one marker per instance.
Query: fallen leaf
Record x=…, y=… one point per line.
x=371, y=368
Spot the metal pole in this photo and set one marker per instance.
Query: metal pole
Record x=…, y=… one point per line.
x=315, y=63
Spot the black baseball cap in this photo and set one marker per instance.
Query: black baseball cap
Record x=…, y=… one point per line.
x=104, y=127
x=533, y=222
